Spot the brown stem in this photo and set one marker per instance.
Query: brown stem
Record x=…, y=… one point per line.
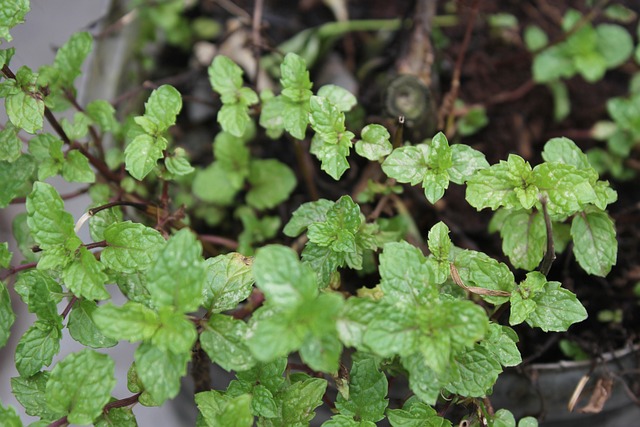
x=100, y=244
x=141, y=206
x=256, y=36
x=449, y=99
x=17, y=269
x=67, y=309
x=219, y=240
x=127, y=401
x=304, y=163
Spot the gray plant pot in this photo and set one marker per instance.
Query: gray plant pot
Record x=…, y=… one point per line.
x=546, y=389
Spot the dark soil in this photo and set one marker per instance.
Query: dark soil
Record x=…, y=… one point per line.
x=496, y=73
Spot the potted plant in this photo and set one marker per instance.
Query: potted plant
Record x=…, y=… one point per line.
x=288, y=253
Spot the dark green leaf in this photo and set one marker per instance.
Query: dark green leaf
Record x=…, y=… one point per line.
x=524, y=237
x=474, y=373
x=594, y=240
x=13, y=177
x=85, y=276
x=30, y=392
x=7, y=317
x=40, y=292
x=37, y=346
x=83, y=329
x=366, y=392
x=51, y=226
x=556, y=309
x=77, y=169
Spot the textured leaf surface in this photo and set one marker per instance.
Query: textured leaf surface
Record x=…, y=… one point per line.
x=594, y=240
x=367, y=392
x=85, y=276
x=80, y=385
x=132, y=321
x=37, y=346
x=224, y=340
x=229, y=281
x=83, y=329
x=7, y=317
x=130, y=246
x=160, y=371
x=271, y=183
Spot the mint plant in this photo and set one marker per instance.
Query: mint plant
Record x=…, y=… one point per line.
x=272, y=305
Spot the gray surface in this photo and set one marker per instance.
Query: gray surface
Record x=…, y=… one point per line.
x=48, y=25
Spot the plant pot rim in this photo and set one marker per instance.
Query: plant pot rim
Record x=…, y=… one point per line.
x=582, y=364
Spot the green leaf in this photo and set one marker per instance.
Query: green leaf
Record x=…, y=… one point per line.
x=162, y=107
x=102, y=113
x=324, y=261
x=561, y=100
x=51, y=226
x=321, y=348
x=568, y=189
x=224, y=340
x=10, y=144
x=346, y=421
x=77, y=168
x=474, y=373
x=423, y=381
x=178, y=275
x=177, y=333
x=160, y=371
x=5, y=255
x=229, y=281
x=47, y=149
x=406, y=278
x=307, y=214
x=37, y=346
x=130, y=246
x=563, y=150
x=12, y=13
x=80, y=385
x=214, y=184
x=332, y=141
x=614, y=44
x=375, y=143
x=255, y=230
x=71, y=55
x=30, y=392
x=339, y=96
x=553, y=63
x=503, y=418
x=7, y=317
x=8, y=414
x=25, y=106
x=142, y=154
x=178, y=164
x=40, y=292
x=285, y=281
x=474, y=120
x=83, y=329
x=535, y=38
x=295, y=78
x=393, y=333
x=121, y=417
x=234, y=118
x=339, y=230
x=354, y=321
x=219, y=410
x=298, y=402
x=271, y=183
x=366, y=392
x=501, y=343
x=480, y=270
x=13, y=177
x=524, y=237
x=465, y=161
x=85, y=276
x=415, y=413
x=594, y=242
x=225, y=76
x=556, y=309
x=509, y=184
x=132, y=321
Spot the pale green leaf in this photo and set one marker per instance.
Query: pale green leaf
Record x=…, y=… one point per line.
x=229, y=281
x=405, y=275
x=132, y=321
x=224, y=340
x=214, y=184
x=162, y=107
x=339, y=96
x=12, y=13
x=564, y=150
x=219, y=410
x=80, y=385
x=415, y=413
x=10, y=144
x=130, y=246
x=474, y=373
x=77, y=169
x=142, y=154
x=465, y=161
x=177, y=276
x=295, y=78
x=25, y=107
x=594, y=242
x=40, y=292
x=8, y=415
x=234, y=118
x=177, y=334
x=375, y=144
x=71, y=55
x=271, y=183
x=285, y=281
x=614, y=44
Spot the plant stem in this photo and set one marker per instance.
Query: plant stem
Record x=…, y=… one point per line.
x=67, y=309
x=304, y=163
x=550, y=253
x=219, y=240
x=17, y=269
x=141, y=206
